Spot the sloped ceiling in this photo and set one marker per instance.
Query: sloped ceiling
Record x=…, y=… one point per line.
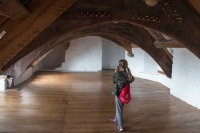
x=32, y=24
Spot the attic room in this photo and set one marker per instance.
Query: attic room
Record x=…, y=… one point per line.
x=58, y=57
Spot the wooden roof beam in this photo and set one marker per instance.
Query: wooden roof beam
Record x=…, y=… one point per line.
x=13, y=10
x=30, y=28
x=195, y=4
x=133, y=45
x=168, y=44
x=126, y=45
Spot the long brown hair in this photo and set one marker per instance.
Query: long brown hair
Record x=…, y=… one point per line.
x=124, y=64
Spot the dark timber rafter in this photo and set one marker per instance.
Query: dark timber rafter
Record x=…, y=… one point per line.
x=13, y=9
x=23, y=33
x=168, y=44
x=169, y=17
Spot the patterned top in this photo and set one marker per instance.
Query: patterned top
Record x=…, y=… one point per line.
x=120, y=79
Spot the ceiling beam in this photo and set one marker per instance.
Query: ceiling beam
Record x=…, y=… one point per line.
x=196, y=5
x=133, y=45
x=155, y=35
x=13, y=10
x=126, y=45
x=173, y=24
x=31, y=27
x=172, y=20
x=168, y=44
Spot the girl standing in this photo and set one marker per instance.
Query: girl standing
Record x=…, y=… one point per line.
x=121, y=77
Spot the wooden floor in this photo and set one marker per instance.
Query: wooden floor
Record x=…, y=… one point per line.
x=53, y=102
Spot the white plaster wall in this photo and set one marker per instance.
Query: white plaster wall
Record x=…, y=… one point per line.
x=3, y=83
x=136, y=63
x=90, y=56
x=184, y=83
x=28, y=73
x=133, y=62
x=24, y=76
x=150, y=66
x=111, y=54
x=143, y=66
x=84, y=54
x=186, y=75
x=55, y=58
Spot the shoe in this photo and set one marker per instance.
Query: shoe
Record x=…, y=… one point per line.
x=120, y=128
x=112, y=120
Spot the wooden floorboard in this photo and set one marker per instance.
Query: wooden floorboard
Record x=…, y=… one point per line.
x=55, y=102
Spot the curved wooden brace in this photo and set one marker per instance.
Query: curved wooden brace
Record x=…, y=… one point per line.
x=173, y=20
x=125, y=31
x=112, y=39
x=168, y=23
x=126, y=45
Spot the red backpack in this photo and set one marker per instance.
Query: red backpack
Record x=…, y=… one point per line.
x=125, y=95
